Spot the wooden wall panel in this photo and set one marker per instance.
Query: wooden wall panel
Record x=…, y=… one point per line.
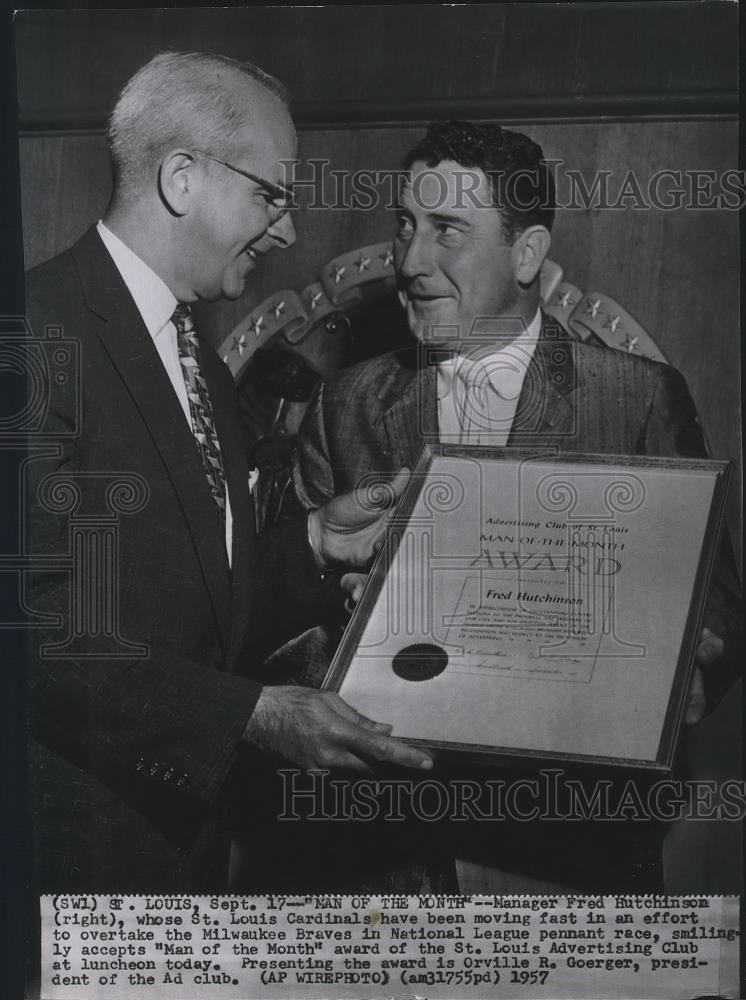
x=366, y=64
x=65, y=185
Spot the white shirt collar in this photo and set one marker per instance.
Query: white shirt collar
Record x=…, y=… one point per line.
x=505, y=366
x=153, y=298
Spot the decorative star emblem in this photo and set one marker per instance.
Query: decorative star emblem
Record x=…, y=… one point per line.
x=238, y=345
x=563, y=300
x=339, y=272
x=612, y=322
x=257, y=325
x=225, y=359
x=630, y=343
x=387, y=258
x=362, y=264
x=278, y=309
x=593, y=307
x=313, y=300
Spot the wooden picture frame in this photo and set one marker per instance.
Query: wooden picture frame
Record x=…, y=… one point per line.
x=477, y=650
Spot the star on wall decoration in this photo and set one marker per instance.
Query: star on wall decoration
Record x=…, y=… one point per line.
x=339, y=272
x=387, y=258
x=612, y=322
x=278, y=309
x=257, y=325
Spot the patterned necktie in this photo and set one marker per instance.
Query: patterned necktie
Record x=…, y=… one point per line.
x=200, y=408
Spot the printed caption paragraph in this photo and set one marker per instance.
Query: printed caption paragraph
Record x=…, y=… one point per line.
x=246, y=947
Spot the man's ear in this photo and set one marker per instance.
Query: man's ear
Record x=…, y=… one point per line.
x=177, y=180
x=532, y=246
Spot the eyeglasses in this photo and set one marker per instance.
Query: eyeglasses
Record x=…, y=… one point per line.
x=277, y=195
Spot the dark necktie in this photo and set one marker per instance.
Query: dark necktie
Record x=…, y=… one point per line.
x=200, y=407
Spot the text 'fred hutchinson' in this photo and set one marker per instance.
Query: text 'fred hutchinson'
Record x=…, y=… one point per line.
x=507, y=595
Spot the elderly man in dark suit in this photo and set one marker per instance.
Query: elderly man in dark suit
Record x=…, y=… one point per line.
x=140, y=712
x=474, y=224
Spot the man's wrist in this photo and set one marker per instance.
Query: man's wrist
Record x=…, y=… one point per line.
x=313, y=529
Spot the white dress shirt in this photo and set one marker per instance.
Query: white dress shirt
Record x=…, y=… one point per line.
x=478, y=391
x=156, y=304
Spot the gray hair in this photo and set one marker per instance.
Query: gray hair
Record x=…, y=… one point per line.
x=180, y=99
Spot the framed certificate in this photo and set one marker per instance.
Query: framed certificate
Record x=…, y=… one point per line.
x=529, y=605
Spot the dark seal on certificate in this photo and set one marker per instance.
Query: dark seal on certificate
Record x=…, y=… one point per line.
x=420, y=662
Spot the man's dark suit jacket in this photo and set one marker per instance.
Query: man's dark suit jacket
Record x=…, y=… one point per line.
x=376, y=416
x=132, y=754
x=575, y=397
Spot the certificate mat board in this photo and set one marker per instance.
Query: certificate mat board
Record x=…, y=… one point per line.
x=530, y=606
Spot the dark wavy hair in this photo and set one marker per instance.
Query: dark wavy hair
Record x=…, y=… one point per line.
x=522, y=184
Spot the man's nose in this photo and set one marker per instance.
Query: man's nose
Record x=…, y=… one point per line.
x=413, y=258
x=282, y=231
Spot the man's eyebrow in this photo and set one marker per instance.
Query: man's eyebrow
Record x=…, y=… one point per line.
x=451, y=220
x=457, y=220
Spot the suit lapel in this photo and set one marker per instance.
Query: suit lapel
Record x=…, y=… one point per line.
x=413, y=418
x=546, y=407
x=233, y=450
x=134, y=355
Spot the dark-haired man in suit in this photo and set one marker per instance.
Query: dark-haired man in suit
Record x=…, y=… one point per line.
x=474, y=222
x=139, y=720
